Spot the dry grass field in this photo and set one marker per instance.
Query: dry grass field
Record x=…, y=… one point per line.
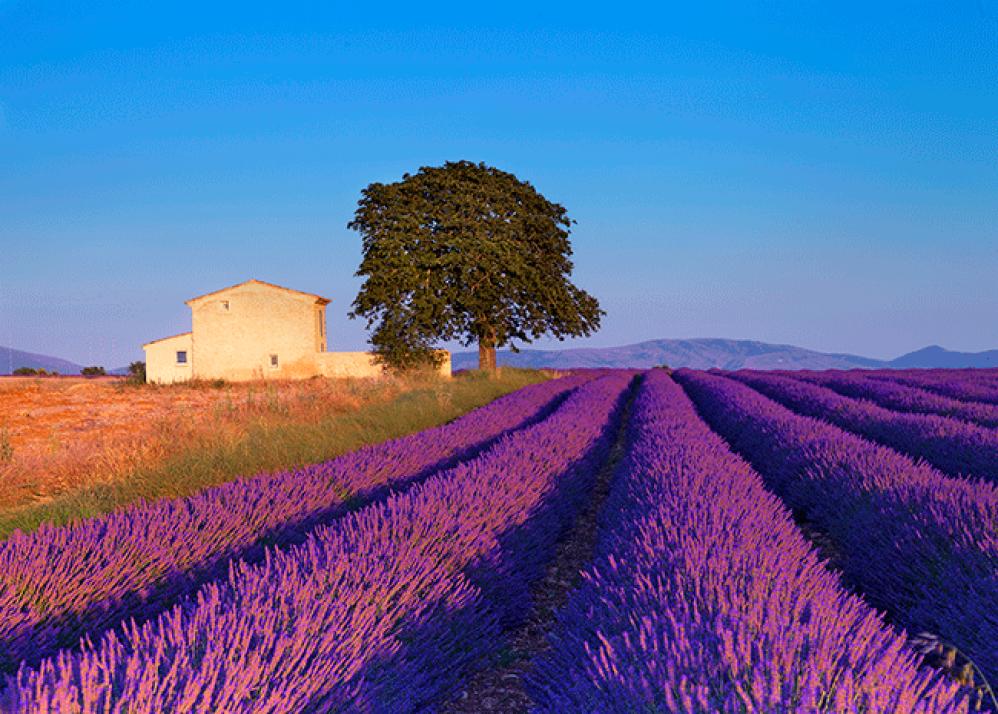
x=63, y=434
x=73, y=447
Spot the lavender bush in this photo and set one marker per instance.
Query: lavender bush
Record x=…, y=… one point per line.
x=57, y=584
x=918, y=544
x=706, y=598
x=894, y=395
x=977, y=385
x=383, y=610
x=951, y=445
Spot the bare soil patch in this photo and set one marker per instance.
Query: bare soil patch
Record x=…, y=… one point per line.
x=498, y=685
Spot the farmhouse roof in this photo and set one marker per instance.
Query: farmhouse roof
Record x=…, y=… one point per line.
x=318, y=298
x=164, y=339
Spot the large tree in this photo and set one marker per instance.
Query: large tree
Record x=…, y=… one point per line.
x=465, y=252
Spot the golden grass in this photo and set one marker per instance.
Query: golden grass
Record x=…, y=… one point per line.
x=72, y=448
x=65, y=434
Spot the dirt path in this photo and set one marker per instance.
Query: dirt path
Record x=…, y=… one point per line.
x=498, y=686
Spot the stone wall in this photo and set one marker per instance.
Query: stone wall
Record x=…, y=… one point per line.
x=362, y=364
x=162, y=366
x=257, y=332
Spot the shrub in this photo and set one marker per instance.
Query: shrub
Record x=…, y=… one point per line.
x=6, y=448
x=137, y=372
x=93, y=372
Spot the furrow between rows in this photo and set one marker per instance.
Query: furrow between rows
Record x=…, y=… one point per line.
x=499, y=685
x=955, y=447
x=706, y=598
x=971, y=387
x=901, y=397
x=385, y=610
x=920, y=545
x=59, y=584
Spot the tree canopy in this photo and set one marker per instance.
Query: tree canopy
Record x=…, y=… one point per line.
x=465, y=252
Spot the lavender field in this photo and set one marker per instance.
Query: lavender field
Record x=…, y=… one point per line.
x=610, y=541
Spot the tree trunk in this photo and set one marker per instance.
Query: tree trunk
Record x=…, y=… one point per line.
x=487, y=353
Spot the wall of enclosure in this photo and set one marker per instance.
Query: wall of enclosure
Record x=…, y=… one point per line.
x=162, y=363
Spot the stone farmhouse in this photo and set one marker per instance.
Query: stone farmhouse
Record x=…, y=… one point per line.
x=256, y=330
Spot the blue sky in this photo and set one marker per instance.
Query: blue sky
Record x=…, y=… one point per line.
x=822, y=174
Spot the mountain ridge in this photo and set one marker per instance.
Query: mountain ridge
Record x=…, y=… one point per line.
x=723, y=353
x=11, y=359
x=936, y=356
x=697, y=353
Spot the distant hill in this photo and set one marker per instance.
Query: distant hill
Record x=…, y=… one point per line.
x=938, y=357
x=11, y=359
x=704, y=353
x=708, y=353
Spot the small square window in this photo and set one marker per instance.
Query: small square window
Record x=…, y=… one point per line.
x=273, y=361
x=225, y=305
x=181, y=356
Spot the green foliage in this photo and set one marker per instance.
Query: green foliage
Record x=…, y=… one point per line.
x=137, y=372
x=32, y=372
x=93, y=372
x=465, y=252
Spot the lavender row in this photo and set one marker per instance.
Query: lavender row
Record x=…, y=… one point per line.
x=919, y=544
x=944, y=374
x=57, y=584
x=894, y=395
x=381, y=611
x=706, y=598
x=977, y=386
x=951, y=445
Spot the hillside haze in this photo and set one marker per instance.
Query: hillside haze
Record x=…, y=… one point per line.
x=11, y=359
x=701, y=353
x=936, y=356
x=709, y=353
x=704, y=353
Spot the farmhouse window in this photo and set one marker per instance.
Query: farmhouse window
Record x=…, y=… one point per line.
x=273, y=361
x=181, y=356
x=225, y=305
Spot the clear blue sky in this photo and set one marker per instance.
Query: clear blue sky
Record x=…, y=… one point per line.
x=824, y=174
